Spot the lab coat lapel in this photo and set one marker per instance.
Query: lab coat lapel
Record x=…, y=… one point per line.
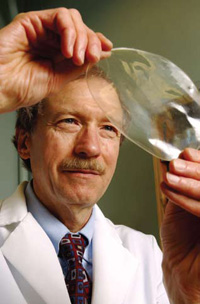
x=9, y=290
x=113, y=265
x=28, y=242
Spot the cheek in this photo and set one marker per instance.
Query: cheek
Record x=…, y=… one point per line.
x=111, y=153
x=50, y=149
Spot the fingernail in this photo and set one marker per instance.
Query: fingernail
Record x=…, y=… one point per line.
x=194, y=154
x=110, y=42
x=179, y=164
x=81, y=55
x=95, y=52
x=70, y=50
x=171, y=178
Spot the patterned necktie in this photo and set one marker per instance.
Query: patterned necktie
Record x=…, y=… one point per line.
x=79, y=285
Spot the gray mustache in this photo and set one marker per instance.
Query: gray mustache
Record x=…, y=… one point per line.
x=84, y=164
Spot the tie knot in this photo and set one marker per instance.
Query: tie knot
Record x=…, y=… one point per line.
x=73, y=246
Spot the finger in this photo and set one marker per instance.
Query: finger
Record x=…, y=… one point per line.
x=190, y=154
x=60, y=21
x=185, y=168
x=106, y=44
x=186, y=186
x=81, y=38
x=94, y=51
x=189, y=204
x=38, y=35
x=105, y=55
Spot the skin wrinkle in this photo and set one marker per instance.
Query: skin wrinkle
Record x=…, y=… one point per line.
x=73, y=156
x=27, y=117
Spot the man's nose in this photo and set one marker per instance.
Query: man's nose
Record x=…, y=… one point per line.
x=88, y=143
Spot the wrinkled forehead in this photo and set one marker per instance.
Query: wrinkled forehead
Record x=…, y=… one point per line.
x=76, y=95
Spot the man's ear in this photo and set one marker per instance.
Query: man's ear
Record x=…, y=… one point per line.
x=23, y=143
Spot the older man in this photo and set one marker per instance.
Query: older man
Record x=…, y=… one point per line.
x=56, y=245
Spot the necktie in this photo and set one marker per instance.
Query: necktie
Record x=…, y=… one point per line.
x=79, y=285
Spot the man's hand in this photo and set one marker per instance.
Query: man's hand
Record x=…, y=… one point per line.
x=180, y=231
x=41, y=51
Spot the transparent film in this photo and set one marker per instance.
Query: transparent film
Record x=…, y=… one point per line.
x=149, y=99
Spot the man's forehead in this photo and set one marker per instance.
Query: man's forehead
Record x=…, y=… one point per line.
x=78, y=93
x=71, y=91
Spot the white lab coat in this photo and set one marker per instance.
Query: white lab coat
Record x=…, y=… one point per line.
x=126, y=263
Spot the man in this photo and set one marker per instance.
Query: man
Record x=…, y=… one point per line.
x=72, y=150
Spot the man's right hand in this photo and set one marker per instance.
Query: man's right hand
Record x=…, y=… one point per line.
x=40, y=51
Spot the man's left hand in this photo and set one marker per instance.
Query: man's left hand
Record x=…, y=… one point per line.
x=180, y=231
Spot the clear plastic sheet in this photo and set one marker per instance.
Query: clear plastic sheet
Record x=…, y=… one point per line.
x=160, y=105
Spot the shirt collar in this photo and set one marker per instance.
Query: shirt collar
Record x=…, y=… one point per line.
x=51, y=225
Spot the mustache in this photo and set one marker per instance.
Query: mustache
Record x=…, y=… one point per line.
x=82, y=164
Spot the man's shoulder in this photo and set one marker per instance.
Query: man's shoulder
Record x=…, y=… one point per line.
x=127, y=233
x=129, y=237
x=13, y=208
x=139, y=243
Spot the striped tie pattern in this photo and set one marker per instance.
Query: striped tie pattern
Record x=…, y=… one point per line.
x=79, y=285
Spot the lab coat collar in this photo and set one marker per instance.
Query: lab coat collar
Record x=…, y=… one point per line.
x=14, y=209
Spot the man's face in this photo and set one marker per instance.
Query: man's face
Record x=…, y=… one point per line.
x=73, y=148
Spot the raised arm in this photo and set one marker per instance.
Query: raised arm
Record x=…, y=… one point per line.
x=42, y=50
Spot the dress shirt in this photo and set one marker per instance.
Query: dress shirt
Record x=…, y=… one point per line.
x=56, y=229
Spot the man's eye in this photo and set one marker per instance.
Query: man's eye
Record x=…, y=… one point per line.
x=68, y=124
x=110, y=128
x=109, y=131
x=69, y=120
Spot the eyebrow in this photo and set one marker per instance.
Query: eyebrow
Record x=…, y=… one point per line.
x=62, y=113
x=75, y=113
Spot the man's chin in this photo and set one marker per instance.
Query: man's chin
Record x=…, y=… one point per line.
x=81, y=196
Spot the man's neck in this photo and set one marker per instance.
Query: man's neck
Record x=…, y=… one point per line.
x=73, y=216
